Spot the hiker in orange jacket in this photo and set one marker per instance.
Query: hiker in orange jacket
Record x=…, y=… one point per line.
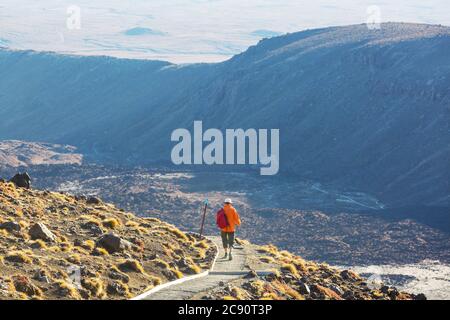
x=227, y=233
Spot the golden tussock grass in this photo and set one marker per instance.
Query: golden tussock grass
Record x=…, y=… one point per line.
x=270, y=296
x=287, y=290
x=111, y=223
x=177, y=273
x=131, y=265
x=88, y=245
x=267, y=259
x=195, y=268
x=154, y=280
x=67, y=289
x=202, y=244
x=66, y=247
x=54, y=249
x=20, y=256
x=95, y=286
x=80, y=251
x=101, y=252
x=161, y=263
x=200, y=253
x=268, y=249
x=74, y=258
x=91, y=219
x=132, y=224
x=179, y=234
x=238, y=293
x=300, y=264
x=291, y=269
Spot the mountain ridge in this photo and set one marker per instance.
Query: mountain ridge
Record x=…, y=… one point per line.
x=357, y=113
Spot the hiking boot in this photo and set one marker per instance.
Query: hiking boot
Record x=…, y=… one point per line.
x=230, y=257
x=225, y=256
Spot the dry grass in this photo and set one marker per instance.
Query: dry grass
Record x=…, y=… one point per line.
x=131, y=265
x=287, y=290
x=267, y=259
x=38, y=244
x=74, y=258
x=95, y=286
x=88, y=245
x=291, y=269
x=111, y=223
x=177, y=273
x=20, y=256
x=101, y=252
x=67, y=290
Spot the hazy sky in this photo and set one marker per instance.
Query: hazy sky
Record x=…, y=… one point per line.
x=187, y=30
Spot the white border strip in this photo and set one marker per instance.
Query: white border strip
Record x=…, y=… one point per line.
x=178, y=281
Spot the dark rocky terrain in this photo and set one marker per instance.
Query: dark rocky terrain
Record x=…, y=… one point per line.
x=305, y=224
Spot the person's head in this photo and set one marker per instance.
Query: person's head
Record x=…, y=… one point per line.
x=227, y=201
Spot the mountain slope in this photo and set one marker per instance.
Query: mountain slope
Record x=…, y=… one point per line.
x=57, y=246
x=367, y=109
x=22, y=154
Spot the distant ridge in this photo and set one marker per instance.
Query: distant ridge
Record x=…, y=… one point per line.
x=365, y=109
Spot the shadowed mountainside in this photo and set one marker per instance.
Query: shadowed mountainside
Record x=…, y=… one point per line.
x=367, y=109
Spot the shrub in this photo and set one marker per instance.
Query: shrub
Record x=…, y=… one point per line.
x=95, y=287
x=74, y=258
x=291, y=269
x=38, y=244
x=111, y=223
x=101, y=251
x=89, y=245
x=66, y=289
x=19, y=256
x=131, y=265
x=177, y=273
x=267, y=259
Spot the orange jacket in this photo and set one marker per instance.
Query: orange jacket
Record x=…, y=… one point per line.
x=232, y=217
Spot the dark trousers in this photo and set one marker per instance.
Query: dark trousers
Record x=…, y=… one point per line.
x=227, y=239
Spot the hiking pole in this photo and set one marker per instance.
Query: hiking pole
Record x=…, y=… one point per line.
x=204, y=216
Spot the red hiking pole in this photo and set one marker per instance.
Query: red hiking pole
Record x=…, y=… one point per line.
x=204, y=216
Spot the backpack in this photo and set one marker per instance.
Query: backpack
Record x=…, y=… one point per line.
x=221, y=219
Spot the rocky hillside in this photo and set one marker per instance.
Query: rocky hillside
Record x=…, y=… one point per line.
x=14, y=153
x=366, y=109
x=293, y=278
x=56, y=246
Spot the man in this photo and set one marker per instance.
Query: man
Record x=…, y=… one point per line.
x=227, y=220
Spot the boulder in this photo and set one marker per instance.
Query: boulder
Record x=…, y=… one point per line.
x=10, y=226
x=22, y=180
x=349, y=275
x=336, y=289
x=303, y=288
x=40, y=231
x=113, y=243
x=420, y=296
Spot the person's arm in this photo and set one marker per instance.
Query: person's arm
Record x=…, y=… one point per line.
x=237, y=218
